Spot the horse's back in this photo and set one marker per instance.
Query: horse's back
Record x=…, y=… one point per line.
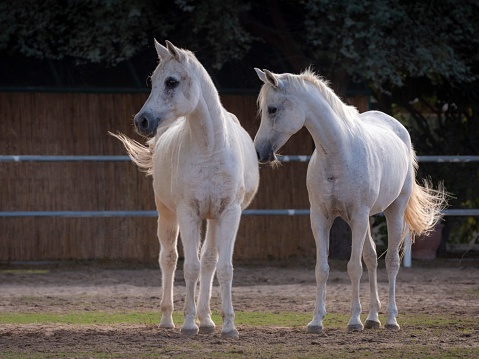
x=388, y=138
x=382, y=121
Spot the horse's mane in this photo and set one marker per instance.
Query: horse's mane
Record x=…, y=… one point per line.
x=344, y=111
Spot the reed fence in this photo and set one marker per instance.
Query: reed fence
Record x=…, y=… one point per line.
x=33, y=123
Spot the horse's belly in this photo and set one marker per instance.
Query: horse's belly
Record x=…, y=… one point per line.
x=386, y=196
x=343, y=197
x=370, y=179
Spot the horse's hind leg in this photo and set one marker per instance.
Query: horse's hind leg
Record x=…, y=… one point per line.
x=226, y=228
x=395, y=222
x=371, y=260
x=190, y=230
x=209, y=258
x=359, y=226
x=167, y=235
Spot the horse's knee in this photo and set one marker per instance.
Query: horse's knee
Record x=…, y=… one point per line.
x=225, y=272
x=392, y=261
x=322, y=272
x=191, y=270
x=209, y=260
x=168, y=257
x=355, y=269
x=371, y=260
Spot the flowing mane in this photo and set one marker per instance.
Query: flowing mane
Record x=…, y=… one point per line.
x=346, y=112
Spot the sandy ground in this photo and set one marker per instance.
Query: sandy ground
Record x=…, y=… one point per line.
x=441, y=288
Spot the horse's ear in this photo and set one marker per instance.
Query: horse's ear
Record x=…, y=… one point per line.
x=161, y=50
x=173, y=50
x=271, y=78
x=260, y=74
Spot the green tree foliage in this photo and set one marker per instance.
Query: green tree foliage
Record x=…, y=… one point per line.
x=380, y=42
x=386, y=42
x=215, y=26
x=88, y=31
x=111, y=31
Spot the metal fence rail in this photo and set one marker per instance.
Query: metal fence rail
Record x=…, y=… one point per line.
x=302, y=158
x=254, y=212
x=246, y=212
x=28, y=158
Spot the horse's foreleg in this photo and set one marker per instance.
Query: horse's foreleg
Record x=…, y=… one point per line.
x=209, y=258
x=320, y=227
x=359, y=226
x=395, y=222
x=190, y=230
x=226, y=228
x=167, y=235
x=371, y=260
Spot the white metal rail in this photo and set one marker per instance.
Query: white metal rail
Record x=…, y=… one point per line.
x=301, y=158
x=255, y=212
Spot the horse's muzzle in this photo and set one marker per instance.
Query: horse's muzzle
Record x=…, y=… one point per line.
x=145, y=125
x=266, y=155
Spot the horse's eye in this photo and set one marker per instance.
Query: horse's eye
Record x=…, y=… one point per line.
x=271, y=110
x=170, y=82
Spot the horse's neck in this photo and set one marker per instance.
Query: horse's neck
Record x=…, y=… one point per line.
x=207, y=124
x=330, y=133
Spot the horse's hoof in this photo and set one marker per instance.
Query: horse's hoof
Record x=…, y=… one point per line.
x=232, y=334
x=392, y=326
x=372, y=324
x=355, y=327
x=189, y=331
x=207, y=330
x=166, y=326
x=314, y=329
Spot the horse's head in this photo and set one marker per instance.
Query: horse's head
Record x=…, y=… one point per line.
x=174, y=91
x=281, y=115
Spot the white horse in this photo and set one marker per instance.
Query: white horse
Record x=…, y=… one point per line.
x=204, y=167
x=363, y=164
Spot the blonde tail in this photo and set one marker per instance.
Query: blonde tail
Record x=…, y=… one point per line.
x=141, y=155
x=424, y=209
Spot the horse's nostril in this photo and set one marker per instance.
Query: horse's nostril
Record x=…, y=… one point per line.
x=144, y=123
x=257, y=155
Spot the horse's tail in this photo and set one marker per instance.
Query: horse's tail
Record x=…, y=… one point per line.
x=424, y=209
x=141, y=155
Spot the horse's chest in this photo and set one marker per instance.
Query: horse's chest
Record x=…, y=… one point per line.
x=209, y=192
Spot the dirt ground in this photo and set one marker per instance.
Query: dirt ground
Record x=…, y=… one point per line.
x=446, y=288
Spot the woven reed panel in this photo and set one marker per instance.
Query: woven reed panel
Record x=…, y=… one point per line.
x=78, y=124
